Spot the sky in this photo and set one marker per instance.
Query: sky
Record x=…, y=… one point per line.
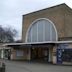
x=11, y=11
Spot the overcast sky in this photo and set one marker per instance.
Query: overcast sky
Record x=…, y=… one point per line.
x=11, y=11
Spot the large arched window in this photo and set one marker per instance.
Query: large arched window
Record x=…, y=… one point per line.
x=41, y=30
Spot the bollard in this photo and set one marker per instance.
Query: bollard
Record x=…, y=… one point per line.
x=2, y=67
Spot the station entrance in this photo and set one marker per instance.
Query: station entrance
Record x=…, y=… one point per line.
x=41, y=54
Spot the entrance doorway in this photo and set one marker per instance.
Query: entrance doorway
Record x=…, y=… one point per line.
x=64, y=55
x=7, y=53
x=67, y=55
x=41, y=54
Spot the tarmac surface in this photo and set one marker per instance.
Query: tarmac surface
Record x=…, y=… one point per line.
x=16, y=66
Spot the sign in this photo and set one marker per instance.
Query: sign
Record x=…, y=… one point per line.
x=59, y=56
x=63, y=46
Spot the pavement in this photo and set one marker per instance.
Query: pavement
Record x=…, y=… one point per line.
x=16, y=66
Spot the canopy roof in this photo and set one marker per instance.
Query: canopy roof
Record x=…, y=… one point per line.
x=36, y=43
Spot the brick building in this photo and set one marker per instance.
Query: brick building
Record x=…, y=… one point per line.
x=46, y=36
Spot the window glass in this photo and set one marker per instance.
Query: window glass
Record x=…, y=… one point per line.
x=47, y=31
x=53, y=34
x=34, y=33
x=41, y=30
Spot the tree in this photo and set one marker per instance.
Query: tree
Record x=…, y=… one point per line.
x=7, y=34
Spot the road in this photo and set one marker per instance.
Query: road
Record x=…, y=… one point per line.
x=12, y=66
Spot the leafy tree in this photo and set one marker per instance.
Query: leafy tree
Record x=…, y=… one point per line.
x=7, y=34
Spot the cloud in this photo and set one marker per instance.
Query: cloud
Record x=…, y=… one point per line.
x=69, y=3
x=23, y=6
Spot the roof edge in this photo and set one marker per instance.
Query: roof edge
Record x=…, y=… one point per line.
x=47, y=8
x=50, y=42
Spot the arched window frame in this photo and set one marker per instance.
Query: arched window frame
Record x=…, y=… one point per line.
x=37, y=27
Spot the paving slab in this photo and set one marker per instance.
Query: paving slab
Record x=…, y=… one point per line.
x=13, y=66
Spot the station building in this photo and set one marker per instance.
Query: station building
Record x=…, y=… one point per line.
x=46, y=36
